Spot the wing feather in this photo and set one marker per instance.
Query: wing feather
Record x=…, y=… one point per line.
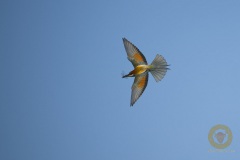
x=134, y=54
x=138, y=87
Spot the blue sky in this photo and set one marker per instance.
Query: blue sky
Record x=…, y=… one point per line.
x=62, y=95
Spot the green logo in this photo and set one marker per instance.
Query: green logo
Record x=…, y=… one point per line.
x=220, y=136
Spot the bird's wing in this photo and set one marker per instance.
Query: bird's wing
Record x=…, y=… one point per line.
x=134, y=55
x=138, y=87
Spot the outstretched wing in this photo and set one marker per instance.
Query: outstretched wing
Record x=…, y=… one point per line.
x=138, y=87
x=133, y=53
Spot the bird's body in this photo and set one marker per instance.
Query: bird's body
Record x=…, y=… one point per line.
x=157, y=68
x=138, y=70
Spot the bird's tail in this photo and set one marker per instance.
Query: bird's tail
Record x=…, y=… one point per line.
x=158, y=68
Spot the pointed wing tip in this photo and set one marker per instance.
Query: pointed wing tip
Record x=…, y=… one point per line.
x=132, y=102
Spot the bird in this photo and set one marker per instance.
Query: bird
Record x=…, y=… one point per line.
x=157, y=68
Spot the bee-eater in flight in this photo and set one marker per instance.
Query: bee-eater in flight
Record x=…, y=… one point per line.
x=157, y=68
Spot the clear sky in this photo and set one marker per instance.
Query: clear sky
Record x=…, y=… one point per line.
x=62, y=95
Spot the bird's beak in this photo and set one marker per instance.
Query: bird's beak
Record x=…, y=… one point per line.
x=124, y=76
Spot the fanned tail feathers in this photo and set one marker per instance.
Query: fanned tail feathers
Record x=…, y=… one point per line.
x=158, y=68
